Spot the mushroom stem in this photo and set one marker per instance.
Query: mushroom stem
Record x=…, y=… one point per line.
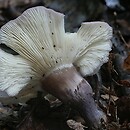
x=71, y=88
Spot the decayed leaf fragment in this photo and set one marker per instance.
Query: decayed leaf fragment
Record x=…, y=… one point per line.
x=75, y=125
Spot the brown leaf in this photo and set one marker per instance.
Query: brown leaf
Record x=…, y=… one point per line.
x=126, y=64
x=125, y=83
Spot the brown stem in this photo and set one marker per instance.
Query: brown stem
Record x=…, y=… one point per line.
x=71, y=88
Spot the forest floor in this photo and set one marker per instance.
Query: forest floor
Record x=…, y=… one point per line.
x=111, y=85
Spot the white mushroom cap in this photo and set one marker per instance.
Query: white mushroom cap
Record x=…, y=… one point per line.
x=39, y=38
x=94, y=38
x=15, y=74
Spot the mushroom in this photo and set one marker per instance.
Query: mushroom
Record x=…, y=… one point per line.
x=52, y=60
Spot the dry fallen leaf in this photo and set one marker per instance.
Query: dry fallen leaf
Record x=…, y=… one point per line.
x=106, y=96
x=75, y=125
